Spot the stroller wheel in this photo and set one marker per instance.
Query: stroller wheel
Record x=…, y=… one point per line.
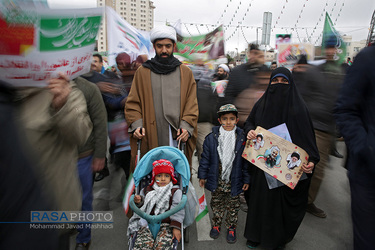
x=186, y=235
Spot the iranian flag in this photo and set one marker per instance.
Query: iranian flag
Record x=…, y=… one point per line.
x=129, y=35
x=129, y=190
x=202, y=208
x=123, y=37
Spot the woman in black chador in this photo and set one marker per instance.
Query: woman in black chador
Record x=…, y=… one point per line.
x=274, y=215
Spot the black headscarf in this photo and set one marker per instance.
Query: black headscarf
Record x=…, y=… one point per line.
x=163, y=66
x=282, y=103
x=302, y=59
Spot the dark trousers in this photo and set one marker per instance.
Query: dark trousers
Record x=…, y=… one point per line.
x=363, y=215
x=85, y=177
x=122, y=160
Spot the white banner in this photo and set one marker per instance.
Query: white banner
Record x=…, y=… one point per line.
x=122, y=37
x=37, y=44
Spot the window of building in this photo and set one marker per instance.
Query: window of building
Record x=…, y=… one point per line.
x=356, y=49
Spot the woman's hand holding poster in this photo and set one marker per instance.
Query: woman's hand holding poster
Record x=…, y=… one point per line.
x=276, y=156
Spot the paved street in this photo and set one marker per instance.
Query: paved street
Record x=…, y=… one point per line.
x=333, y=232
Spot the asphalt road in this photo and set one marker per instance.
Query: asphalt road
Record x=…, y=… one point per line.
x=333, y=232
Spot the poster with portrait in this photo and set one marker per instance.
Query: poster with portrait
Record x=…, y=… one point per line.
x=290, y=53
x=219, y=87
x=283, y=38
x=276, y=156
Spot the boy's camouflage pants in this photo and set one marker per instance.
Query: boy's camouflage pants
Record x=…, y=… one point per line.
x=222, y=201
x=163, y=240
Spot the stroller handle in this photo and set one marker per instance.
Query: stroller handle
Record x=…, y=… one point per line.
x=155, y=220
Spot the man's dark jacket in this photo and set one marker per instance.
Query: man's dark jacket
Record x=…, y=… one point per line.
x=355, y=116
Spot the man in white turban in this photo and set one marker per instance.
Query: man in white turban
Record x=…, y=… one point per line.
x=222, y=72
x=162, y=107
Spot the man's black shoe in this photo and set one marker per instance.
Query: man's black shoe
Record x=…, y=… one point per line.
x=103, y=173
x=335, y=153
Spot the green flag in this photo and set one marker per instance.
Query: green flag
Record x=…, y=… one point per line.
x=329, y=34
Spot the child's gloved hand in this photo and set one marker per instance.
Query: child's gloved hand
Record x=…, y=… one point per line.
x=137, y=199
x=202, y=182
x=245, y=187
x=176, y=234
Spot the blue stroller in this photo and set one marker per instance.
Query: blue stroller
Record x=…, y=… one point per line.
x=143, y=169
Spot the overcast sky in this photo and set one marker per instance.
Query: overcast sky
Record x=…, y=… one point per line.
x=353, y=19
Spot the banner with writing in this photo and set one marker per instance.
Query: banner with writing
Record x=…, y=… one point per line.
x=122, y=37
x=206, y=47
x=36, y=44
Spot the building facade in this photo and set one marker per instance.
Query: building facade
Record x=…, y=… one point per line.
x=353, y=47
x=138, y=13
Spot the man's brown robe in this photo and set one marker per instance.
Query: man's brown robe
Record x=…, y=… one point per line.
x=140, y=105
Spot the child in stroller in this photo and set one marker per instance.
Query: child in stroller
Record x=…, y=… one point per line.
x=160, y=196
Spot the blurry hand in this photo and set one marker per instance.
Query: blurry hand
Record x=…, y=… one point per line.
x=202, y=183
x=184, y=135
x=245, y=187
x=108, y=87
x=251, y=135
x=308, y=168
x=137, y=199
x=97, y=164
x=60, y=89
x=177, y=234
x=139, y=134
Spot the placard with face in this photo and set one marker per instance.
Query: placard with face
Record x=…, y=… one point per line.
x=276, y=156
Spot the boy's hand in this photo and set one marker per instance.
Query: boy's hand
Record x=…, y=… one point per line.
x=251, y=135
x=202, y=182
x=137, y=199
x=245, y=187
x=176, y=234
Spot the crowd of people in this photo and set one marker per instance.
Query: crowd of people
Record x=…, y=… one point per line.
x=68, y=132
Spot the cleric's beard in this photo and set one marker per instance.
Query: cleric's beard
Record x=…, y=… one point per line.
x=164, y=60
